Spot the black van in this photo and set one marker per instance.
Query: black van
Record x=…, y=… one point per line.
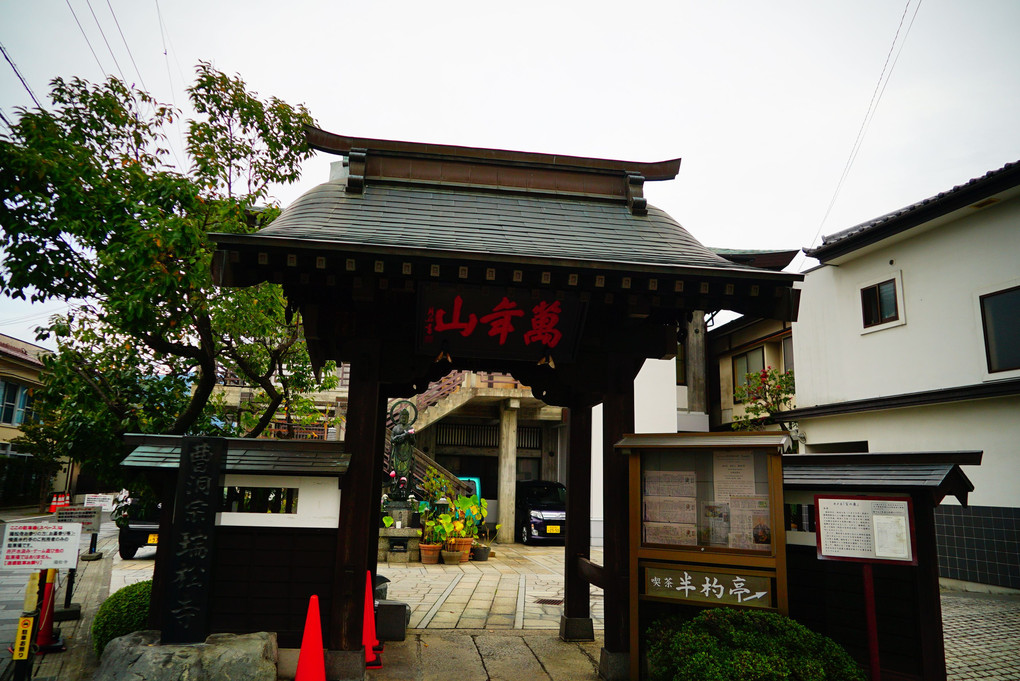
x=541, y=512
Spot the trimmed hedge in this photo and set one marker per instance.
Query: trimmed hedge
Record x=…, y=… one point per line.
x=727, y=644
x=124, y=612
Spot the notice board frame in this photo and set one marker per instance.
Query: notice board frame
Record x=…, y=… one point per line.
x=771, y=563
x=910, y=527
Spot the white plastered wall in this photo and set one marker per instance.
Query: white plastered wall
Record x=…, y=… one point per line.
x=318, y=502
x=941, y=271
x=654, y=412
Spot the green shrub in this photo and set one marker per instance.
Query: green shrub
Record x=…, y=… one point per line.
x=727, y=644
x=125, y=611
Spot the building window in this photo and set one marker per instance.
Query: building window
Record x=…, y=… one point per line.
x=15, y=403
x=750, y=362
x=1000, y=318
x=788, y=353
x=878, y=303
x=240, y=499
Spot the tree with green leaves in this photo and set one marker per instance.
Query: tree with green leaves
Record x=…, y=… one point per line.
x=765, y=395
x=94, y=208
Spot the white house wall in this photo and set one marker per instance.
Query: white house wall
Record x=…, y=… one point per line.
x=654, y=412
x=990, y=425
x=941, y=342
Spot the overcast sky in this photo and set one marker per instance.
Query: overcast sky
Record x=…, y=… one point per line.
x=763, y=101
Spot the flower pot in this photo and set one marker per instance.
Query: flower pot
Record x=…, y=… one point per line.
x=463, y=544
x=480, y=552
x=451, y=557
x=430, y=553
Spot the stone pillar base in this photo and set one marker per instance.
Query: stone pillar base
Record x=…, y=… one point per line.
x=614, y=666
x=345, y=665
x=576, y=629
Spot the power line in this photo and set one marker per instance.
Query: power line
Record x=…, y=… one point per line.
x=876, y=97
x=20, y=77
x=126, y=47
x=7, y=121
x=103, y=33
x=87, y=41
x=163, y=32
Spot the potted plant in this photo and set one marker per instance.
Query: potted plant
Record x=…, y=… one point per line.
x=432, y=535
x=470, y=512
x=482, y=546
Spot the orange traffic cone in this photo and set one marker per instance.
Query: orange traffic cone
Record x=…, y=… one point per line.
x=372, y=659
x=48, y=640
x=311, y=665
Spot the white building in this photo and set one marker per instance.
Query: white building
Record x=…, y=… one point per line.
x=909, y=340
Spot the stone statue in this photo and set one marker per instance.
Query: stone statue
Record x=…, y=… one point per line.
x=402, y=450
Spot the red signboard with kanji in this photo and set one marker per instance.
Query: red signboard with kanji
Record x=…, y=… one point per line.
x=505, y=323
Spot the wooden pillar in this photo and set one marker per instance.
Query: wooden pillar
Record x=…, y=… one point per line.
x=365, y=424
x=697, y=363
x=617, y=420
x=929, y=604
x=507, y=469
x=576, y=623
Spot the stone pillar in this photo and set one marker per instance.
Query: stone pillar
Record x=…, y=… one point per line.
x=507, y=469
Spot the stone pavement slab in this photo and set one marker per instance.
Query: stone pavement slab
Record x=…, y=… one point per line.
x=982, y=635
x=498, y=619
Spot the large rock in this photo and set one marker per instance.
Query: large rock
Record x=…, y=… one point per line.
x=237, y=657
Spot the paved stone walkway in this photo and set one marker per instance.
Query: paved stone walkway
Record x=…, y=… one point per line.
x=982, y=636
x=490, y=620
x=520, y=588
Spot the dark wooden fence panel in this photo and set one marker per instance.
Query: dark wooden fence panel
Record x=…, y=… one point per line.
x=828, y=597
x=263, y=578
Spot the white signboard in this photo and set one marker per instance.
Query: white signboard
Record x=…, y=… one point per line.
x=871, y=529
x=90, y=517
x=40, y=546
x=103, y=500
x=734, y=474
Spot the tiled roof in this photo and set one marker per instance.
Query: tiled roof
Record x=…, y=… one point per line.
x=20, y=353
x=945, y=478
x=503, y=224
x=244, y=455
x=910, y=216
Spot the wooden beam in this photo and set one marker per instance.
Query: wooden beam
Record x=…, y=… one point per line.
x=592, y=573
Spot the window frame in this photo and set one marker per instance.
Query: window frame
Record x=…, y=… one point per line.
x=981, y=297
x=733, y=368
x=900, y=318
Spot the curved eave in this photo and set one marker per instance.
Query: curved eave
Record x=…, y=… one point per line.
x=333, y=143
x=256, y=241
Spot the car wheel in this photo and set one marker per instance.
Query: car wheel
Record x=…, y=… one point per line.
x=525, y=535
x=127, y=551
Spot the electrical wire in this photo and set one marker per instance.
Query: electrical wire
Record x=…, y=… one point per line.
x=18, y=74
x=7, y=121
x=876, y=97
x=88, y=42
x=126, y=47
x=103, y=33
x=170, y=82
